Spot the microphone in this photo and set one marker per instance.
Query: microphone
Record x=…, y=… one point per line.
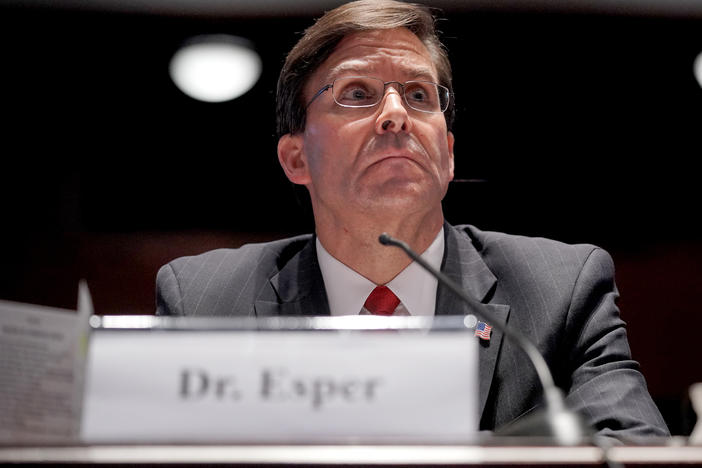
x=557, y=421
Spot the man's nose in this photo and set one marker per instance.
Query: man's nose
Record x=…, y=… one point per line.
x=393, y=116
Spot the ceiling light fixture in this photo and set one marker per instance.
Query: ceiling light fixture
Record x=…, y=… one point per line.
x=215, y=68
x=697, y=67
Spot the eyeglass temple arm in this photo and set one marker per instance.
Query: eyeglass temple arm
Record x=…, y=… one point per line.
x=318, y=94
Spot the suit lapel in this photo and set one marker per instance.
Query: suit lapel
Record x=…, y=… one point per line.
x=464, y=265
x=298, y=287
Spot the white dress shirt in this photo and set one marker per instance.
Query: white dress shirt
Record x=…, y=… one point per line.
x=347, y=290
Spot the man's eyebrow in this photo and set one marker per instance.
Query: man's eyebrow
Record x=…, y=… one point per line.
x=422, y=74
x=356, y=68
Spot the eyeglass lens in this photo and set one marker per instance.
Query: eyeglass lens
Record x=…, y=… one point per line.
x=362, y=91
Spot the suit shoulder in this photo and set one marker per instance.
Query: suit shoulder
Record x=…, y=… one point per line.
x=515, y=246
x=245, y=257
x=222, y=281
x=486, y=239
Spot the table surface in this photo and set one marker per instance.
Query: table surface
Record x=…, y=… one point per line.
x=673, y=453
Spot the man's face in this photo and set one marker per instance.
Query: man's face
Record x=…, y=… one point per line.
x=385, y=160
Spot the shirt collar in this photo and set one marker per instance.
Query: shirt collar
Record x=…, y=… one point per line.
x=415, y=287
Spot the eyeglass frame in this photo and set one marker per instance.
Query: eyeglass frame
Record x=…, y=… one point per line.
x=385, y=85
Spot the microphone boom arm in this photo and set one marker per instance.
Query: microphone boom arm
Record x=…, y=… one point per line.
x=566, y=424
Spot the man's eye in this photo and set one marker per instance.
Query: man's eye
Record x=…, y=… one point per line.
x=417, y=94
x=356, y=95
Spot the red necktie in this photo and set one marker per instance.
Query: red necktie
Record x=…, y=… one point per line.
x=381, y=301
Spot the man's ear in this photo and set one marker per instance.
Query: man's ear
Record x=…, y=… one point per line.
x=292, y=158
x=451, y=140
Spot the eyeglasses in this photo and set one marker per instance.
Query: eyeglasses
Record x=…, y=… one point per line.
x=364, y=91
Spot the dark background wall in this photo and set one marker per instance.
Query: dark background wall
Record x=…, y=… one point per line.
x=582, y=125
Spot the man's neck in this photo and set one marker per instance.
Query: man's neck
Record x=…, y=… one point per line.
x=356, y=245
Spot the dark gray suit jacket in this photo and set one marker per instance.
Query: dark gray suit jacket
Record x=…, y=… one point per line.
x=560, y=296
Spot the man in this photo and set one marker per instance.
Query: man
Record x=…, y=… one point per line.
x=364, y=117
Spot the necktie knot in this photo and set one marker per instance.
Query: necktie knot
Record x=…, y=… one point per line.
x=381, y=301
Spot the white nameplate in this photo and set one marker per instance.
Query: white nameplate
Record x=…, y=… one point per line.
x=281, y=386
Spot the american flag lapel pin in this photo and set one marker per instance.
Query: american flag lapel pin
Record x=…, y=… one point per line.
x=482, y=331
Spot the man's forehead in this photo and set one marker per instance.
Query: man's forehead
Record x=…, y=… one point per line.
x=367, y=51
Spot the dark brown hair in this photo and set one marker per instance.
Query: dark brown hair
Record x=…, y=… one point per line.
x=320, y=40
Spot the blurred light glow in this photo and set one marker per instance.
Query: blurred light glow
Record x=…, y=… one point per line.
x=215, y=68
x=470, y=321
x=698, y=69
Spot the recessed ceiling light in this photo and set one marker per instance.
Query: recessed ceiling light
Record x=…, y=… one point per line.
x=215, y=68
x=698, y=68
